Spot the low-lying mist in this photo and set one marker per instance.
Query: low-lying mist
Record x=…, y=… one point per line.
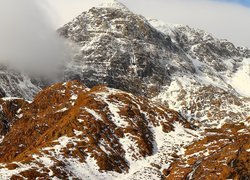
x=28, y=40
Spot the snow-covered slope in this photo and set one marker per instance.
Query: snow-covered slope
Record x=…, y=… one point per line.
x=217, y=92
x=17, y=84
x=216, y=61
x=224, y=153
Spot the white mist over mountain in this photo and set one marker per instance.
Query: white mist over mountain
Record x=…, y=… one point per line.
x=28, y=40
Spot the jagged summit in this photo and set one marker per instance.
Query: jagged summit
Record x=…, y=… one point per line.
x=112, y=4
x=166, y=62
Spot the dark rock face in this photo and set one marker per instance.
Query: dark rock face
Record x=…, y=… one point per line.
x=9, y=113
x=4, y=125
x=122, y=50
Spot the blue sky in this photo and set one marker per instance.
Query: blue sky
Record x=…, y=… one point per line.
x=242, y=2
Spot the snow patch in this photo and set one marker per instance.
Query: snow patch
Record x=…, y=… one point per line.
x=112, y=4
x=93, y=113
x=62, y=110
x=241, y=79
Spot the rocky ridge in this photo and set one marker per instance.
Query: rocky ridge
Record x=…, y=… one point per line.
x=120, y=49
x=72, y=131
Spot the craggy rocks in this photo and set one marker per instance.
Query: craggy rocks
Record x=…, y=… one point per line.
x=118, y=48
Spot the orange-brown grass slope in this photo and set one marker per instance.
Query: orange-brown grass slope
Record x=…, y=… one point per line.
x=95, y=119
x=223, y=154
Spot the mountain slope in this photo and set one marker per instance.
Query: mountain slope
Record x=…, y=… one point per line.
x=116, y=47
x=69, y=129
x=216, y=92
x=223, y=154
x=217, y=61
x=120, y=49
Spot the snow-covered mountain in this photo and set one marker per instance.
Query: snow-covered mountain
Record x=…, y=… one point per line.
x=116, y=47
x=150, y=56
x=152, y=101
x=217, y=91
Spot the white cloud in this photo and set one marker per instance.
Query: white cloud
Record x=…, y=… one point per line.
x=27, y=37
x=224, y=20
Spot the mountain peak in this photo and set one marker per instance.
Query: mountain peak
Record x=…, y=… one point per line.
x=112, y=4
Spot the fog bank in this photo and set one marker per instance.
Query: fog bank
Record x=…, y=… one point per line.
x=28, y=40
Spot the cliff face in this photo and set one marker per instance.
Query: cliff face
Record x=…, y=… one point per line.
x=120, y=49
x=9, y=112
